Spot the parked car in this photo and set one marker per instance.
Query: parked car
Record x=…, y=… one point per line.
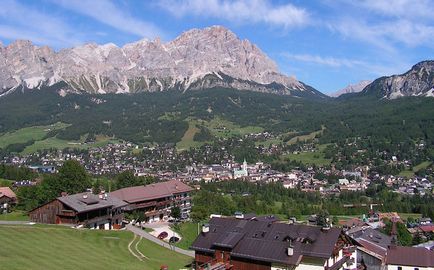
x=163, y=235
x=173, y=239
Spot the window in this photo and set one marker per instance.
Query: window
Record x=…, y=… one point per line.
x=416, y=268
x=399, y=268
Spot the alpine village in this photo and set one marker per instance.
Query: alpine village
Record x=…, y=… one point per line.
x=170, y=135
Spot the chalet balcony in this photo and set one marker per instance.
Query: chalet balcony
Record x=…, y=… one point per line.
x=146, y=204
x=96, y=219
x=156, y=212
x=67, y=213
x=163, y=203
x=340, y=263
x=183, y=198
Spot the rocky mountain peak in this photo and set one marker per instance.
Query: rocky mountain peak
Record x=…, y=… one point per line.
x=418, y=81
x=352, y=88
x=198, y=58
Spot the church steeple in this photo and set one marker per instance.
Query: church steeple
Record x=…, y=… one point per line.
x=244, y=165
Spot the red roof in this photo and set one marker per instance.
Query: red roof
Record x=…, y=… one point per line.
x=6, y=191
x=427, y=228
x=152, y=191
x=410, y=256
x=377, y=249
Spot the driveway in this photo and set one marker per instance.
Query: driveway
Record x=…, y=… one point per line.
x=162, y=227
x=146, y=235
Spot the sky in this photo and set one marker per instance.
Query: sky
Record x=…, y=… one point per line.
x=327, y=44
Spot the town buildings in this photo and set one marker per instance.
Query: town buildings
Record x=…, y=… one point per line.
x=102, y=211
x=156, y=200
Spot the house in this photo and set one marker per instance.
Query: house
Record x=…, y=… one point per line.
x=43, y=169
x=7, y=199
x=237, y=244
x=156, y=200
x=425, y=221
x=372, y=247
x=102, y=211
x=406, y=258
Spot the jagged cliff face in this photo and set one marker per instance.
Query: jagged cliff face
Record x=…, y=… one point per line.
x=197, y=59
x=418, y=81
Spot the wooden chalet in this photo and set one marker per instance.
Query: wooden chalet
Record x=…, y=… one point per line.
x=101, y=211
x=7, y=199
x=239, y=244
x=156, y=200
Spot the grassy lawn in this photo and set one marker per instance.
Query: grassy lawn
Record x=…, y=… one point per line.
x=27, y=134
x=55, y=247
x=316, y=157
x=222, y=128
x=416, y=168
x=6, y=182
x=407, y=215
x=54, y=142
x=15, y=216
x=307, y=137
x=187, y=141
x=188, y=232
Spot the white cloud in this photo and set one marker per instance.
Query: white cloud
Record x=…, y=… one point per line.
x=241, y=11
x=386, y=34
x=108, y=13
x=326, y=61
x=377, y=69
x=409, y=9
x=386, y=24
x=23, y=22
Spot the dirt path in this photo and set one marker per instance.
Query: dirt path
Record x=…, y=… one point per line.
x=131, y=251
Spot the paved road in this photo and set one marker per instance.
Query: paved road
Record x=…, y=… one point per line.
x=148, y=236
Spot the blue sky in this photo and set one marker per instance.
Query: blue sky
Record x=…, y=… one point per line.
x=325, y=43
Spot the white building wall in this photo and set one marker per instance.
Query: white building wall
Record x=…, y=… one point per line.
x=309, y=267
x=395, y=267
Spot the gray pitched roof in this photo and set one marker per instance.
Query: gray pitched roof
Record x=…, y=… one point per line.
x=84, y=202
x=152, y=191
x=266, y=241
x=410, y=256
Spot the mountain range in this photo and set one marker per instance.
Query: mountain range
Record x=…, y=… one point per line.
x=213, y=57
x=197, y=59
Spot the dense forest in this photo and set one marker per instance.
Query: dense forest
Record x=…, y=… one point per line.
x=260, y=198
x=144, y=117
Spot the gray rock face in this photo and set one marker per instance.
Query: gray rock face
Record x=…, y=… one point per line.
x=352, y=88
x=418, y=81
x=199, y=58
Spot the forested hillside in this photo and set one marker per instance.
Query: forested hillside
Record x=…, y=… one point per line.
x=164, y=117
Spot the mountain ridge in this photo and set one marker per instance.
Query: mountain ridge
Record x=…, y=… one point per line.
x=196, y=59
x=417, y=81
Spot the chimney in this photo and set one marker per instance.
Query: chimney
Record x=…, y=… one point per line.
x=84, y=196
x=290, y=249
x=205, y=228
